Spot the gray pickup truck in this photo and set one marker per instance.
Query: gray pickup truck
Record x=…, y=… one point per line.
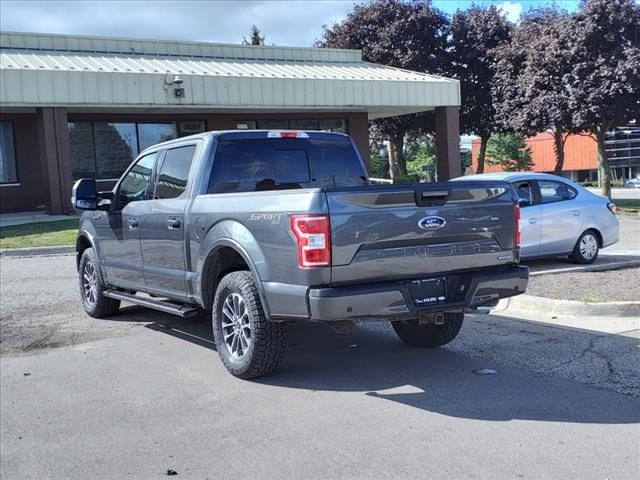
x=265, y=228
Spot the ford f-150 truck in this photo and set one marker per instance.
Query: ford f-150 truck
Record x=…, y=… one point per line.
x=265, y=228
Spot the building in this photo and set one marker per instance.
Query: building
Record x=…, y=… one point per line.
x=581, y=154
x=73, y=107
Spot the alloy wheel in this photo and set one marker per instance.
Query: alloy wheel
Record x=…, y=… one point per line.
x=236, y=327
x=90, y=283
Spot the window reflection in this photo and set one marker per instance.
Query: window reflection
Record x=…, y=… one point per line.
x=116, y=146
x=152, y=133
x=82, y=149
x=103, y=150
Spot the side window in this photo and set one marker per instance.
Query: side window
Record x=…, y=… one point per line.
x=524, y=192
x=134, y=185
x=551, y=191
x=174, y=172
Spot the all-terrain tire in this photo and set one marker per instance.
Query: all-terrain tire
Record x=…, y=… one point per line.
x=587, y=248
x=267, y=340
x=429, y=335
x=92, y=289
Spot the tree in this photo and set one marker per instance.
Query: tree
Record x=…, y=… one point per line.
x=510, y=151
x=604, y=84
x=254, y=37
x=409, y=35
x=420, y=156
x=476, y=33
x=530, y=83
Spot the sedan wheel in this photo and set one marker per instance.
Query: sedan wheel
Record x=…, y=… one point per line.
x=587, y=248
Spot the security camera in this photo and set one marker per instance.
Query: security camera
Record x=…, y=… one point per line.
x=177, y=80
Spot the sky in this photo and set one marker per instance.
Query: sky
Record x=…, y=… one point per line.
x=283, y=22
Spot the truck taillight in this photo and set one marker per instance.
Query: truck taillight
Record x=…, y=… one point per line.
x=516, y=214
x=314, y=240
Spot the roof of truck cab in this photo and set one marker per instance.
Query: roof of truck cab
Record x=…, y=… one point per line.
x=249, y=134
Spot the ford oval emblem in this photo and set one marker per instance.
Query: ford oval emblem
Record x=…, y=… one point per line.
x=431, y=223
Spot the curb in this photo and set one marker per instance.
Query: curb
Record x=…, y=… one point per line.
x=590, y=268
x=36, y=251
x=530, y=303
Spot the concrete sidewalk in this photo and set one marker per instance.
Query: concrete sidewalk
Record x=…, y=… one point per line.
x=21, y=218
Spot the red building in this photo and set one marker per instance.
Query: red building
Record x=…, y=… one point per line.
x=581, y=162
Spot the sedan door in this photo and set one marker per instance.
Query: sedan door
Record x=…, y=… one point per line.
x=119, y=230
x=529, y=219
x=164, y=228
x=561, y=216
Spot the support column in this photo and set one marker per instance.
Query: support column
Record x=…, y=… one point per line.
x=359, y=131
x=55, y=159
x=448, y=142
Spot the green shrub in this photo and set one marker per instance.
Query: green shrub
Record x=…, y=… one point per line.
x=406, y=179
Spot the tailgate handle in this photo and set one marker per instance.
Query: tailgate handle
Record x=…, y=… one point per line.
x=431, y=197
x=441, y=194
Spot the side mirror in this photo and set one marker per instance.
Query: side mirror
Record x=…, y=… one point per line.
x=84, y=195
x=523, y=203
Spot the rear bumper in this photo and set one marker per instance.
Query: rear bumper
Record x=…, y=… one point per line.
x=392, y=300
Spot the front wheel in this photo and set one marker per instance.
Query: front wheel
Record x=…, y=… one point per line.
x=92, y=289
x=429, y=335
x=586, y=249
x=248, y=343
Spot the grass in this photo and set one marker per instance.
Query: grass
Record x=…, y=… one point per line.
x=627, y=202
x=628, y=206
x=45, y=234
x=592, y=300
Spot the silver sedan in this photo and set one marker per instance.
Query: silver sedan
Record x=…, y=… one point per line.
x=559, y=217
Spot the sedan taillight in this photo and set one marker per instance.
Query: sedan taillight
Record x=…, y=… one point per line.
x=314, y=240
x=612, y=207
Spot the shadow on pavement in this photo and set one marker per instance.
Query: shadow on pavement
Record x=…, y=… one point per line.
x=371, y=360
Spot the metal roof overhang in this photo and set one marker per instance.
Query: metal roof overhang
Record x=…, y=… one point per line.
x=97, y=80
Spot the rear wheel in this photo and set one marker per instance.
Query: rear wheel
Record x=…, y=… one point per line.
x=248, y=343
x=587, y=248
x=429, y=335
x=92, y=289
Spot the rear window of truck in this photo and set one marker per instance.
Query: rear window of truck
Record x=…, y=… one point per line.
x=247, y=165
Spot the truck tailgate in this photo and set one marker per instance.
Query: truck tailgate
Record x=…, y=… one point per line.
x=388, y=232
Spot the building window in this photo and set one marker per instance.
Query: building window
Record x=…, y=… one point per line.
x=8, y=173
x=104, y=150
x=152, y=133
x=115, y=148
x=332, y=125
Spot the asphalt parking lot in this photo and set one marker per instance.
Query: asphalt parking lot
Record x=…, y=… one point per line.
x=143, y=392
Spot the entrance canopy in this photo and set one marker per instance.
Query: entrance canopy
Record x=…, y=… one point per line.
x=90, y=72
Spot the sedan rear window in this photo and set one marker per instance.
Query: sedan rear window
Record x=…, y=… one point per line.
x=245, y=165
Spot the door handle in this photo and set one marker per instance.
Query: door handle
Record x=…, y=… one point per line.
x=533, y=220
x=173, y=223
x=133, y=223
x=576, y=213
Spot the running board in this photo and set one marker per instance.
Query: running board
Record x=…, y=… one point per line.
x=166, y=306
